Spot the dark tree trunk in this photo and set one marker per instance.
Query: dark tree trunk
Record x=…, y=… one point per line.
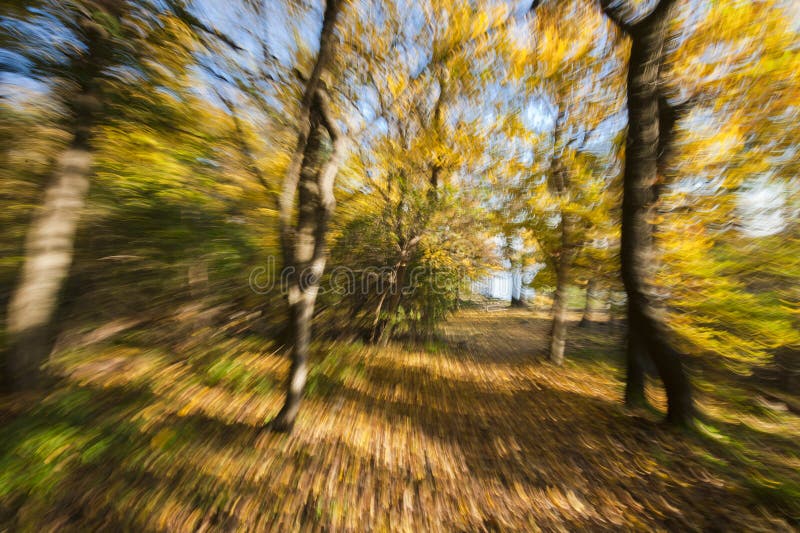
x=635, y=359
x=386, y=328
x=640, y=177
x=383, y=329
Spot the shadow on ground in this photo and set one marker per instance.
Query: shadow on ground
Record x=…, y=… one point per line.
x=476, y=433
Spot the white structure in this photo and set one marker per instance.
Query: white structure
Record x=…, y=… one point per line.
x=502, y=284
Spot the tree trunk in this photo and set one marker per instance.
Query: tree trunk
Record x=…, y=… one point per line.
x=517, y=300
x=387, y=328
x=588, y=317
x=303, y=285
x=286, y=200
x=558, y=334
x=48, y=256
x=309, y=252
x=635, y=354
x=50, y=240
x=640, y=176
x=303, y=244
x=301, y=311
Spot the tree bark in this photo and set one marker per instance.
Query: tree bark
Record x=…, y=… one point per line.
x=303, y=286
x=386, y=328
x=48, y=256
x=309, y=252
x=558, y=333
x=301, y=310
x=310, y=177
x=286, y=200
x=559, y=181
x=639, y=182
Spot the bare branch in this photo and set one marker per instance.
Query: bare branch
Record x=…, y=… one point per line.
x=244, y=146
x=182, y=13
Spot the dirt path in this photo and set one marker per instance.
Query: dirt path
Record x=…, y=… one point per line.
x=474, y=434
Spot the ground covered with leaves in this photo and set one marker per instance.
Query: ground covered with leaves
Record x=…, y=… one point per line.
x=472, y=432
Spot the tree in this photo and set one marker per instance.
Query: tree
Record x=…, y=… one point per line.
x=647, y=134
x=597, y=264
x=98, y=27
x=732, y=188
x=518, y=256
x=422, y=169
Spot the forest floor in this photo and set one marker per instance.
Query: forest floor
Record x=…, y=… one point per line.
x=473, y=432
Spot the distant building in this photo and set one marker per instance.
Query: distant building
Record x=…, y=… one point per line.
x=500, y=285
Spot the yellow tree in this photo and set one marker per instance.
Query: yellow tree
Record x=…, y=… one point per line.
x=571, y=197
x=431, y=142
x=732, y=287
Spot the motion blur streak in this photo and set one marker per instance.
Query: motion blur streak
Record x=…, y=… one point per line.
x=410, y=265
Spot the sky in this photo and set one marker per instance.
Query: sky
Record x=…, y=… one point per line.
x=761, y=203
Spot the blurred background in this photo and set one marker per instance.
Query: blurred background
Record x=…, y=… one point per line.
x=491, y=245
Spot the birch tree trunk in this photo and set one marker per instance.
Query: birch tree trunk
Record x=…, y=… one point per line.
x=50, y=240
x=309, y=178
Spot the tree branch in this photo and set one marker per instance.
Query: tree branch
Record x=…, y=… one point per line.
x=182, y=13
x=618, y=12
x=244, y=146
x=626, y=19
x=327, y=119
